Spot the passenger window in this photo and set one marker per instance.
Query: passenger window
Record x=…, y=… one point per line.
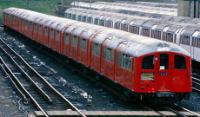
x=134, y=29
x=57, y=35
x=148, y=62
x=156, y=34
x=117, y=25
x=35, y=27
x=96, y=49
x=75, y=41
x=66, y=39
x=101, y=22
x=125, y=61
x=145, y=32
x=73, y=16
x=46, y=31
x=108, y=54
x=96, y=21
x=51, y=33
x=83, y=43
x=169, y=37
x=125, y=27
x=164, y=61
x=89, y=20
x=180, y=62
x=79, y=18
x=69, y=15
x=40, y=28
x=185, y=40
x=84, y=19
x=109, y=24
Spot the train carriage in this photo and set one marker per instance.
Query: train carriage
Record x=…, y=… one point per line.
x=145, y=66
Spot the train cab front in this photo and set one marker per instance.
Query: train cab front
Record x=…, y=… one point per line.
x=164, y=75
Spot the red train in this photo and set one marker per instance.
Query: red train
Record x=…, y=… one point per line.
x=145, y=66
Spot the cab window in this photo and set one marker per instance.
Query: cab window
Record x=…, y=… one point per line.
x=180, y=62
x=164, y=61
x=148, y=62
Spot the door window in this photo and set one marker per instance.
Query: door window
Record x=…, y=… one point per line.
x=164, y=61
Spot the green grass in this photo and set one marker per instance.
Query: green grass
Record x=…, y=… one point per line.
x=44, y=6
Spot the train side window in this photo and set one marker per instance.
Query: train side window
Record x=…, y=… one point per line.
x=96, y=49
x=164, y=61
x=134, y=29
x=198, y=42
x=180, y=62
x=108, y=54
x=57, y=35
x=117, y=25
x=145, y=32
x=79, y=18
x=35, y=27
x=66, y=39
x=69, y=15
x=101, y=22
x=109, y=24
x=84, y=19
x=169, y=37
x=194, y=40
x=125, y=27
x=156, y=34
x=83, y=43
x=96, y=21
x=51, y=33
x=185, y=40
x=75, y=41
x=73, y=16
x=89, y=19
x=46, y=31
x=40, y=28
x=125, y=61
x=148, y=62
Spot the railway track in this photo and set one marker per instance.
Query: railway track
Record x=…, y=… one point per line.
x=30, y=84
x=177, y=111
x=196, y=84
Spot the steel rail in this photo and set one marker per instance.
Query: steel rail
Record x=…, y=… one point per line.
x=10, y=74
x=24, y=89
x=55, y=90
x=194, y=113
x=27, y=76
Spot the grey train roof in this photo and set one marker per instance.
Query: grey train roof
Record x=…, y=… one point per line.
x=119, y=7
x=144, y=45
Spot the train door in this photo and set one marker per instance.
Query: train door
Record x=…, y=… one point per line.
x=162, y=71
